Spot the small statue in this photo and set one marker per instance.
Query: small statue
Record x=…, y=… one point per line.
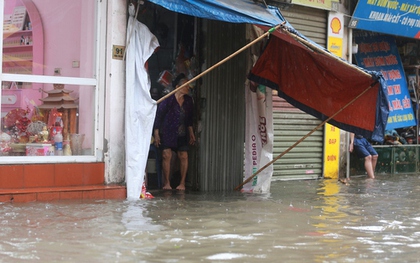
x=67, y=149
x=44, y=134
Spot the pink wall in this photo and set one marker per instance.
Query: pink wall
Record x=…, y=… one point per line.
x=65, y=40
x=69, y=36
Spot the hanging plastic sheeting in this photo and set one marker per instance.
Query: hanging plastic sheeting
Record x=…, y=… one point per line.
x=321, y=84
x=232, y=11
x=140, y=108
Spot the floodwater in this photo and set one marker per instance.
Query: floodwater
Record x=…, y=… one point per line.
x=299, y=221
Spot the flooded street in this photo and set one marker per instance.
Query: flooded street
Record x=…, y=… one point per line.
x=299, y=221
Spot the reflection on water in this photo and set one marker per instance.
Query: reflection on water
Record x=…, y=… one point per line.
x=299, y=221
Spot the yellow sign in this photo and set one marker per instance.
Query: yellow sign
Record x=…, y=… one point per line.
x=335, y=46
x=331, y=151
x=332, y=134
x=335, y=33
x=118, y=52
x=321, y=4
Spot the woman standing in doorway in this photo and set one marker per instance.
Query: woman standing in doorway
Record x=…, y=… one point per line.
x=173, y=130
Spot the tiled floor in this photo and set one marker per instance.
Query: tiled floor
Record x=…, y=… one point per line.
x=47, y=182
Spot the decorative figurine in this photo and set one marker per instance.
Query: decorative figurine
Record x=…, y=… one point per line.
x=44, y=134
x=67, y=149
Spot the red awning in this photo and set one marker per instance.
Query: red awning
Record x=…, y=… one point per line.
x=321, y=84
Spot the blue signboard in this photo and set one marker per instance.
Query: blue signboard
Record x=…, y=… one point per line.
x=379, y=53
x=401, y=18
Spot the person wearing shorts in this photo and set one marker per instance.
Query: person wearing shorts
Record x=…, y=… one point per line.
x=173, y=130
x=364, y=149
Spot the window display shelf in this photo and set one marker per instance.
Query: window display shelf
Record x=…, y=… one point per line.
x=18, y=47
x=23, y=47
x=7, y=34
x=23, y=53
x=18, y=61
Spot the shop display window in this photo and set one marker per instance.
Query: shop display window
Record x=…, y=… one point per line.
x=48, y=85
x=62, y=124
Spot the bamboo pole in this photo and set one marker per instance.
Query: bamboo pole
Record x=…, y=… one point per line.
x=220, y=62
x=304, y=137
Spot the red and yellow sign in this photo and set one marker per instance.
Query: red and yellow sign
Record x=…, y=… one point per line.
x=332, y=134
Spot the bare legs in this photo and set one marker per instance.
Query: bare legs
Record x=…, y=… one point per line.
x=183, y=158
x=370, y=165
x=166, y=167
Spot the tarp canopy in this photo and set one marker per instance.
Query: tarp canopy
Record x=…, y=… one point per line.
x=316, y=82
x=233, y=11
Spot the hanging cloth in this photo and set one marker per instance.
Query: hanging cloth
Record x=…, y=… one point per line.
x=140, y=108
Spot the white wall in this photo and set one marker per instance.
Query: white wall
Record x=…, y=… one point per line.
x=115, y=93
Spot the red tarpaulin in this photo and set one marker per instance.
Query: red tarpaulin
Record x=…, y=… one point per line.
x=321, y=84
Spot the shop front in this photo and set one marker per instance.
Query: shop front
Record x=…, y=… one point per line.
x=52, y=100
x=217, y=162
x=63, y=100
x=386, y=37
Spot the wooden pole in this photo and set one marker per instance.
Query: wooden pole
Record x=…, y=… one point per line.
x=304, y=137
x=220, y=62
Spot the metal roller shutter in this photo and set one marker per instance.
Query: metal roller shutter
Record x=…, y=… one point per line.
x=304, y=161
x=291, y=124
x=310, y=22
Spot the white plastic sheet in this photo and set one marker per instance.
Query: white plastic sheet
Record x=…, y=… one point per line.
x=140, y=108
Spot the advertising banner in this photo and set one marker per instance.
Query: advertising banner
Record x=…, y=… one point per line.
x=378, y=52
x=332, y=133
x=320, y=4
x=258, y=138
x=400, y=18
x=335, y=33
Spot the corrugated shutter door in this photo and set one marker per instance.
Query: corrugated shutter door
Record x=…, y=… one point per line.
x=310, y=22
x=304, y=161
x=290, y=124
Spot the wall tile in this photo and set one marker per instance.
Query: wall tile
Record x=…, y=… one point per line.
x=11, y=176
x=69, y=174
x=93, y=173
x=38, y=175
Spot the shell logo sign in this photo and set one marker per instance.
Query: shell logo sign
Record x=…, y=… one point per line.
x=335, y=25
x=335, y=34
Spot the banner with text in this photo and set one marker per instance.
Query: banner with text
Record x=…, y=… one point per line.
x=378, y=52
x=258, y=138
x=401, y=18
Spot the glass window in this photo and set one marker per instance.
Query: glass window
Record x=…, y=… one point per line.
x=48, y=78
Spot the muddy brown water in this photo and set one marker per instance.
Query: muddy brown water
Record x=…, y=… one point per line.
x=298, y=221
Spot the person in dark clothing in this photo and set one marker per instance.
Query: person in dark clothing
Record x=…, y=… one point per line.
x=173, y=130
